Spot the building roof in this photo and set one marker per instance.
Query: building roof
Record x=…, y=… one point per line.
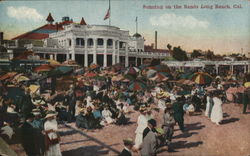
x=83, y=22
x=148, y=48
x=40, y=33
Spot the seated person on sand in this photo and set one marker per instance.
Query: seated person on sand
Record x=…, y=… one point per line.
x=107, y=116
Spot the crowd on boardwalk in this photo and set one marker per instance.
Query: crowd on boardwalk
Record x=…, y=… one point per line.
x=98, y=97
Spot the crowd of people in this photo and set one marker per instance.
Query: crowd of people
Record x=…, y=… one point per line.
x=93, y=102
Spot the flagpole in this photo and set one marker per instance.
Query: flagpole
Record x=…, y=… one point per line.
x=136, y=25
x=109, y=14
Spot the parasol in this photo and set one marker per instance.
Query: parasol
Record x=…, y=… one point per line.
x=136, y=86
x=202, y=78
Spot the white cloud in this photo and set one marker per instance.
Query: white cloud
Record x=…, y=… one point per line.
x=24, y=12
x=174, y=21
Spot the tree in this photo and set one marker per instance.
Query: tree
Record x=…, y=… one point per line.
x=179, y=54
x=196, y=53
x=169, y=47
x=210, y=54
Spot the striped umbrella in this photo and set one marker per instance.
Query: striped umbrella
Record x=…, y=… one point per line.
x=136, y=86
x=202, y=78
x=44, y=68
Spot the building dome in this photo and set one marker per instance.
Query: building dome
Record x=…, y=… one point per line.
x=137, y=35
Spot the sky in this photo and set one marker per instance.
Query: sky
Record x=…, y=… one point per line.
x=220, y=30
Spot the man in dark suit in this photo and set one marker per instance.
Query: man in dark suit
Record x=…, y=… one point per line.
x=128, y=145
x=179, y=113
x=151, y=126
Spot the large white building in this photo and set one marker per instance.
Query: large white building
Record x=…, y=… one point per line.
x=86, y=44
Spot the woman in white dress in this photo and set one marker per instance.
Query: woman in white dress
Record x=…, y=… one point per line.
x=217, y=114
x=142, y=123
x=107, y=116
x=50, y=128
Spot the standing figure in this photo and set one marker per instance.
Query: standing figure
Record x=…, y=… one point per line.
x=142, y=123
x=52, y=137
x=168, y=124
x=246, y=101
x=217, y=114
x=179, y=113
x=149, y=144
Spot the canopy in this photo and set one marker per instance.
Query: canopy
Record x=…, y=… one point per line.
x=247, y=84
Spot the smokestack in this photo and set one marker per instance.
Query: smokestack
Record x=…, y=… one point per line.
x=1, y=38
x=155, y=39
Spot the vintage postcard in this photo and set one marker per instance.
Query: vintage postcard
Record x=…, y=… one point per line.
x=124, y=77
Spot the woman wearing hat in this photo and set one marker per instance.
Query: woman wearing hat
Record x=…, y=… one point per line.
x=142, y=123
x=52, y=141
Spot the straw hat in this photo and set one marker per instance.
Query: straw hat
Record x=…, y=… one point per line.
x=142, y=108
x=159, y=130
x=36, y=111
x=50, y=114
x=128, y=141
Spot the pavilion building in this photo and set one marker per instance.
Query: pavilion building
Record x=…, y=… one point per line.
x=104, y=45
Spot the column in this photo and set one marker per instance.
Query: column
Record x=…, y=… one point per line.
x=55, y=56
x=44, y=55
x=217, y=68
x=232, y=68
x=142, y=61
x=136, y=63
x=51, y=56
x=94, y=52
x=67, y=56
x=85, y=53
x=245, y=69
x=126, y=54
x=248, y=68
x=73, y=43
x=113, y=53
x=105, y=53
x=118, y=52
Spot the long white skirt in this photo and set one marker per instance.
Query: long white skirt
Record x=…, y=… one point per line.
x=138, y=140
x=216, y=114
x=54, y=150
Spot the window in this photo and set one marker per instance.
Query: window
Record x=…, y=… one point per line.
x=110, y=42
x=99, y=41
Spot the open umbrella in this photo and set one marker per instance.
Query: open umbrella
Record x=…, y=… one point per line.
x=136, y=86
x=202, y=78
x=132, y=71
x=160, y=68
x=90, y=74
x=20, y=78
x=117, y=78
x=150, y=73
x=54, y=63
x=44, y=68
x=130, y=77
x=94, y=66
x=8, y=75
x=64, y=69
